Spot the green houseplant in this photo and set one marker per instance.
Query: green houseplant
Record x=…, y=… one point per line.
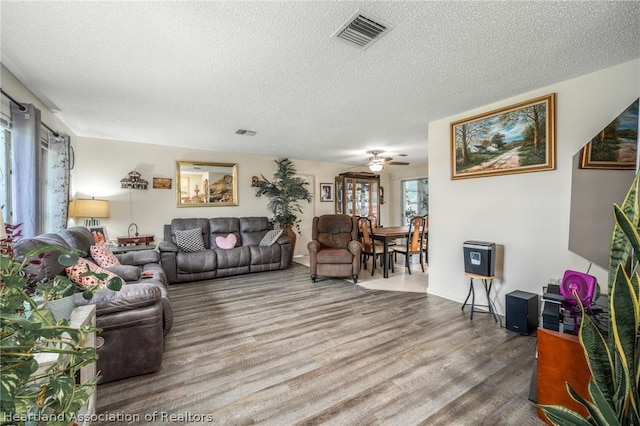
x=285, y=192
x=27, y=328
x=614, y=361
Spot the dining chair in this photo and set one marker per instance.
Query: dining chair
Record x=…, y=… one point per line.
x=425, y=239
x=374, y=221
x=370, y=247
x=414, y=242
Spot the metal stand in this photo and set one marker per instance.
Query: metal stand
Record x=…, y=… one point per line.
x=487, y=282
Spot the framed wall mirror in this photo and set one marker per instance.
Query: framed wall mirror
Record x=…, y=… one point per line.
x=201, y=184
x=600, y=180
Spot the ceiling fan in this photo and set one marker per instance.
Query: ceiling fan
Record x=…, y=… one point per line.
x=377, y=163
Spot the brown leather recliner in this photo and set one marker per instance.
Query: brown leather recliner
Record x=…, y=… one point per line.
x=334, y=249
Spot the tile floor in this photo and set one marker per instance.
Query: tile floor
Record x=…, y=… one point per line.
x=400, y=280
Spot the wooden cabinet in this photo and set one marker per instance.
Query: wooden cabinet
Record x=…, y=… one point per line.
x=358, y=194
x=561, y=360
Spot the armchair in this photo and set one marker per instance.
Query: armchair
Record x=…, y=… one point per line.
x=335, y=249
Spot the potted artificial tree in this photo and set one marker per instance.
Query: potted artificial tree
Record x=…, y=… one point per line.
x=614, y=360
x=285, y=192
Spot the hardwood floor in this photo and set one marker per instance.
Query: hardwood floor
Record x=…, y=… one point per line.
x=273, y=348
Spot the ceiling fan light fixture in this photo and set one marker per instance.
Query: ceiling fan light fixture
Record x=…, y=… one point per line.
x=376, y=167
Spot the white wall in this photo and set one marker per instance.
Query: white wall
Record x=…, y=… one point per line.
x=100, y=164
x=526, y=214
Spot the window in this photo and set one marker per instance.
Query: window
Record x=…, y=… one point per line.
x=415, y=199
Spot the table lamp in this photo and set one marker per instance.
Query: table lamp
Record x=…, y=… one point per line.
x=92, y=210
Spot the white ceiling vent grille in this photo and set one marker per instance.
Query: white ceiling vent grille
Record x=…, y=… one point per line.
x=362, y=30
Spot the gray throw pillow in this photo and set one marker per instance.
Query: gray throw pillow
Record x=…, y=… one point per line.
x=190, y=240
x=126, y=272
x=271, y=237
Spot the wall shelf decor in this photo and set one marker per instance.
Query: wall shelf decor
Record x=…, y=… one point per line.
x=134, y=181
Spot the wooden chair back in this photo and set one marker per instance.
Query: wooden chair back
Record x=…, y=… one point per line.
x=374, y=220
x=416, y=227
x=365, y=231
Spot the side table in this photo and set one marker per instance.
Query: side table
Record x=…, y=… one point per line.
x=487, y=281
x=136, y=247
x=82, y=316
x=138, y=239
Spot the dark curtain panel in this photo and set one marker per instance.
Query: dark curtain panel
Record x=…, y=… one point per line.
x=25, y=158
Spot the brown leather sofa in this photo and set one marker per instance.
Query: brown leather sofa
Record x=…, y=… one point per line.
x=133, y=320
x=335, y=249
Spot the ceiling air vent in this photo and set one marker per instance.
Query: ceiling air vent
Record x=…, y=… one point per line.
x=245, y=132
x=362, y=30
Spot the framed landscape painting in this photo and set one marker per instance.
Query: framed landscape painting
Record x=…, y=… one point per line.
x=519, y=138
x=615, y=146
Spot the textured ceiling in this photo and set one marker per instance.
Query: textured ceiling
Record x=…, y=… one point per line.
x=189, y=73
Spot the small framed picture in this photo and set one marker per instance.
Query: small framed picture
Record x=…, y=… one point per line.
x=162, y=183
x=326, y=192
x=99, y=234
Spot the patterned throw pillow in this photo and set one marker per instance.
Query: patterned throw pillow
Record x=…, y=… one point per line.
x=271, y=237
x=74, y=273
x=190, y=240
x=227, y=242
x=103, y=256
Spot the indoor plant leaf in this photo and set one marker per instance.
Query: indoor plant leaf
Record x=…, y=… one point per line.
x=625, y=330
x=68, y=259
x=114, y=284
x=620, y=244
x=563, y=416
x=598, y=356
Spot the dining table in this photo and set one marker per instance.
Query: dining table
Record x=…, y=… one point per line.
x=385, y=235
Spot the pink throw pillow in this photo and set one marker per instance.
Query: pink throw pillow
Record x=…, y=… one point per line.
x=74, y=273
x=227, y=242
x=103, y=256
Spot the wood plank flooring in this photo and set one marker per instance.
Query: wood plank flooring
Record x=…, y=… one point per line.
x=274, y=348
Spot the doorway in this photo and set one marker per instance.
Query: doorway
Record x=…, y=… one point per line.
x=306, y=217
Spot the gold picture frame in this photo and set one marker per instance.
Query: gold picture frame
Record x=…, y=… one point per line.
x=161, y=183
x=206, y=184
x=615, y=147
x=518, y=138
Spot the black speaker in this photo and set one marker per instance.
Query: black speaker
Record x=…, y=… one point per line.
x=522, y=312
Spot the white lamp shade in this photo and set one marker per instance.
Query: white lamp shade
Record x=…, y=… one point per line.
x=89, y=208
x=375, y=167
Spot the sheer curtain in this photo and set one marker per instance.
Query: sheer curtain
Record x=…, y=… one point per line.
x=41, y=173
x=58, y=172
